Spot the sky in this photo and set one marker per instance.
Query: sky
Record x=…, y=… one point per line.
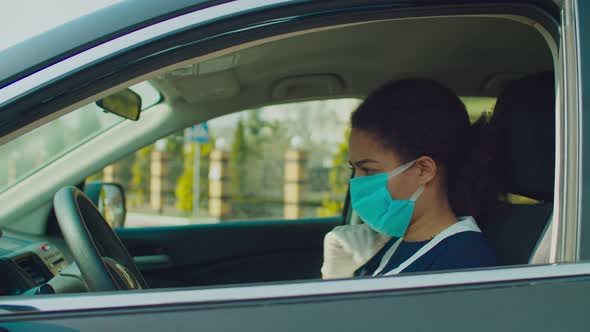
x=22, y=19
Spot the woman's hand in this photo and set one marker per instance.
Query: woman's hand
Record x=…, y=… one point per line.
x=346, y=248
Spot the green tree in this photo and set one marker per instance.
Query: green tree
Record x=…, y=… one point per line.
x=140, y=176
x=175, y=159
x=266, y=142
x=124, y=168
x=98, y=176
x=184, y=184
x=338, y=177
x=238, y=159
x=184, y=187
x=254, y=123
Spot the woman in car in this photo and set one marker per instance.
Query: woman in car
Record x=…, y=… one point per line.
x=419, y=175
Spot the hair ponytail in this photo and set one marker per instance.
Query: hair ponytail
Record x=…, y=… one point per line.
x=474, y=185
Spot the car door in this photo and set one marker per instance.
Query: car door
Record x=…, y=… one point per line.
x=523, y=301
x=547, y=297
x=230, y=253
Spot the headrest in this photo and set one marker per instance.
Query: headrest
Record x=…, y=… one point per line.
x=526, y=112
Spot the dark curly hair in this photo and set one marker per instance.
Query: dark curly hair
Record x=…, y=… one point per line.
x=421, y=117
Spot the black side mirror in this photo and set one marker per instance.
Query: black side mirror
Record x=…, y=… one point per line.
x=109, y=198
x=124, y=103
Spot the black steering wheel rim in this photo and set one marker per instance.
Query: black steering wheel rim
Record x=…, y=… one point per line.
x=102, y=259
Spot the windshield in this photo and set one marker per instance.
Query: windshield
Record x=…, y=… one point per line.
x=41, y=16
x=30, y=152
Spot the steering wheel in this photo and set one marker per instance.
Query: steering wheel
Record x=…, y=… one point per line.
x=102, y=259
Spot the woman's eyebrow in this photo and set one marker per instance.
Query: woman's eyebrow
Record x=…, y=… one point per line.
x=360, y=163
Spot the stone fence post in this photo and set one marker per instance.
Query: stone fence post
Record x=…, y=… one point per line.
x=219, y=184
x=158, y=171
x=295, y=177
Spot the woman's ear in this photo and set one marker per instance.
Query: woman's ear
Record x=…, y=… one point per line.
x=426, y=169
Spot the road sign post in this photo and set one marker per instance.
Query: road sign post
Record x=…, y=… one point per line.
x=197, y=134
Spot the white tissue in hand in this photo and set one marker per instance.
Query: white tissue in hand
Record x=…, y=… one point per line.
x=346, y=248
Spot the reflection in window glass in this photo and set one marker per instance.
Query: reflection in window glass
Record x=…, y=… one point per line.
x=33, y=150
x=37, y=148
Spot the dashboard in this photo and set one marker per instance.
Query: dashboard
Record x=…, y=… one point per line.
x=26, y=263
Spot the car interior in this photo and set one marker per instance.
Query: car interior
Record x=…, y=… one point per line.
x=480, y=56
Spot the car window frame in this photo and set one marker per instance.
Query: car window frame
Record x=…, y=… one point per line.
x=502, y=274
x=565, y=237
x=581, y=16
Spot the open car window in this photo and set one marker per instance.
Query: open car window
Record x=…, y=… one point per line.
x=287, y=161
x=278, y=162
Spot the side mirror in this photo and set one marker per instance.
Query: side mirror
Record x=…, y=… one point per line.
x=109, y=198
x=124, y=103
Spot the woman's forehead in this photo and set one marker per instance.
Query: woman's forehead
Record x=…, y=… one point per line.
x=366, y=145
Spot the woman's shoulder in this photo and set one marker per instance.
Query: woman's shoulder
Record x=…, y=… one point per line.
x=464, y=250
x=462, y=239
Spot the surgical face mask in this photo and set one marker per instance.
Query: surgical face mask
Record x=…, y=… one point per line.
x=373, y=203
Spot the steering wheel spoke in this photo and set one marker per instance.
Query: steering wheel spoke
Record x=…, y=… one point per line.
x=85, y=231
x=121, y=275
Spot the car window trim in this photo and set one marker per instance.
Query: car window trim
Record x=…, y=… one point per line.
x=432, y=281
x=581, y=9
x=565, y=237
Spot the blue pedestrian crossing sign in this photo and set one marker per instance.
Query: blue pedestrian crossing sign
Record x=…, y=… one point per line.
x=198, y=133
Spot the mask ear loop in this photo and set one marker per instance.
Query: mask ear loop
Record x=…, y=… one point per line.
x=417, y=194
x=400, y=169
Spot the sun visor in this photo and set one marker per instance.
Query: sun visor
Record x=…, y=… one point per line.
x=208, y=87
x=308, y=86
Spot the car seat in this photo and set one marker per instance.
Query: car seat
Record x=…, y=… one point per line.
x=525, y=116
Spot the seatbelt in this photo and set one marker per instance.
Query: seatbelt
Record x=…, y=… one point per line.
x=465, y=224
x=388, y=254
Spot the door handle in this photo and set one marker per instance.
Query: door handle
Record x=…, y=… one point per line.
x=150, y=262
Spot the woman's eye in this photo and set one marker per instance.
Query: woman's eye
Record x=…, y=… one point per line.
x=367, y=171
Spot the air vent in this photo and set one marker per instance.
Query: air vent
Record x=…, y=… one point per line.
x=32, y=268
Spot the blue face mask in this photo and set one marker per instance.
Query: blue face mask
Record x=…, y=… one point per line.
x=373, y=203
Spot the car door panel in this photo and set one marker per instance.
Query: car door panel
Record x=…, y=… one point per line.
x=505, y=306
x=224, y=253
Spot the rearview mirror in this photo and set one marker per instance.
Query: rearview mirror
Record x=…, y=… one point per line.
x=124, y=103
x=109, y=198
